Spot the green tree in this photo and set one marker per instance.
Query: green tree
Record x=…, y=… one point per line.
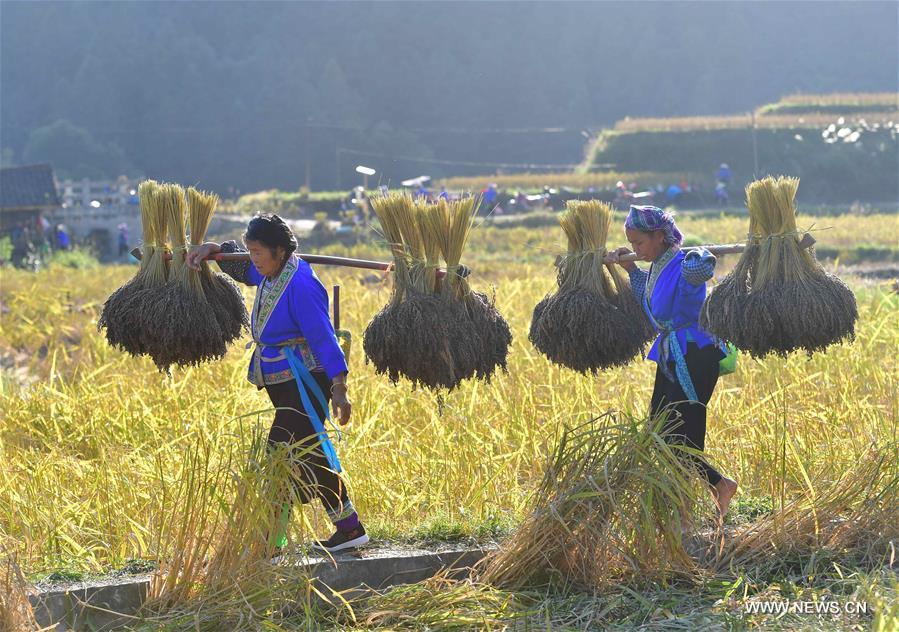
x=74, y=153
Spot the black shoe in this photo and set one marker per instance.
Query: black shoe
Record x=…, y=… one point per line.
x=342, y=540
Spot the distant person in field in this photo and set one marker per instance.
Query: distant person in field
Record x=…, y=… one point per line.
x=62, y=237
x=123, y=239
x=488, y=197
x=721, y=195
x=723, y=174
x=299, y=363
x=672, y=292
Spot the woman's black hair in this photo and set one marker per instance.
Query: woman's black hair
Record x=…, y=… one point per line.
x=272, y=232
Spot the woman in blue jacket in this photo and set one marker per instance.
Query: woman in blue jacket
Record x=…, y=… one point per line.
x=672, y=292
x=299, y=363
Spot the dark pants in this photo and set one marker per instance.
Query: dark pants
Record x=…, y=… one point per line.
x=314, y=477
x=686, y=420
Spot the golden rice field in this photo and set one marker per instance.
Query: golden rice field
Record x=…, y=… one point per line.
x=886, y=118
x=600, y=180
x=91, y=439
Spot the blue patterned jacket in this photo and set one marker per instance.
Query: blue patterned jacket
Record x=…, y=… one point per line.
x=676, y=285
x=293, y=312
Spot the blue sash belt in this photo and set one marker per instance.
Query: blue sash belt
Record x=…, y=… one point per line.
x=669, y=348
x=303, y=377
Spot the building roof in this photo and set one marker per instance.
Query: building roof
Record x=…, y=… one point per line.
x=26, y=187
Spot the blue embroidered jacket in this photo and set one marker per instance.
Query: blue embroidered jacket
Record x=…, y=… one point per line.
x=676, y=286
x=292, y=312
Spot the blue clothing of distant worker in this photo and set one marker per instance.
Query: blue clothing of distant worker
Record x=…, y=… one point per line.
x=62, y=239
x=724, y=173
x=443, y=194
x=490, y=194
x=673, y=192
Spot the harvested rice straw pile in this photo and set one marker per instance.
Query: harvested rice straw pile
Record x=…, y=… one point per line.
x=611, y=504
x=593, y=321
x=181, y=323
x=779, y=298
x=223, y=294
x=434, y=332
x=123, y=312
x=856, y=513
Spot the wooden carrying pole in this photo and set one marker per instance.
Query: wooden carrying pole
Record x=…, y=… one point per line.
x=807, y=241
x=316, y=259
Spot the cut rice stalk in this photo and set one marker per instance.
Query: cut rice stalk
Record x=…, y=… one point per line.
x=180, y=325
x=434, y=332
x=593, y=321
x=123, y=311
x=223, y=294
x=779, y=298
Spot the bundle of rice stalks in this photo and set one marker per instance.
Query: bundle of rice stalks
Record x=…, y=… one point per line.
x=181, y=325
x=223, y=294
x=779, y=298
x=610, y=509
x=213, y=540
x=16, y=612
x=435, y=332
x=124, y=310
x=851, y=520
x=593, y=321
x=452, y=222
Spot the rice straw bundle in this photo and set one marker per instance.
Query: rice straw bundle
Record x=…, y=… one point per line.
x=16, y=612
x=779, y=298
x=593, y=321
x=123, y=311
x=436, y=332
x=418, y=342
x=181, y=324
x=610, y=507
x=223, y=294
x=453, y=220
x=383, y=329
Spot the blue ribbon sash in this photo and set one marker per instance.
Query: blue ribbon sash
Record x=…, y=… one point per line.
x=305, y=382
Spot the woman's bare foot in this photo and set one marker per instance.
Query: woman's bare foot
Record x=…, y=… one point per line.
x=723, y=491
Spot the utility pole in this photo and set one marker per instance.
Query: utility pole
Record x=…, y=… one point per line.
x=755, y=150
x=308, y=152
x=337, y=153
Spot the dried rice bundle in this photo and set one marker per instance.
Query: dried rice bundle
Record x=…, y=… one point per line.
x=223, y=294
x=435, y=332
x=378, y=338
x=779, y=298
x=490, y=349
x=181, y=324
x=411, y=335
x=123, y=311
x=593, y=321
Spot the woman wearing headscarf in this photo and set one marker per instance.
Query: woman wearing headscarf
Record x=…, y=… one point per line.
x=672, y=292
x=299, y=363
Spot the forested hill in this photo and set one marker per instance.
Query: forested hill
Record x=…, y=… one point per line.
x=242, y=94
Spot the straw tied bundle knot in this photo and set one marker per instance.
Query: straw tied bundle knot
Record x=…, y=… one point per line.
x=168, y=311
